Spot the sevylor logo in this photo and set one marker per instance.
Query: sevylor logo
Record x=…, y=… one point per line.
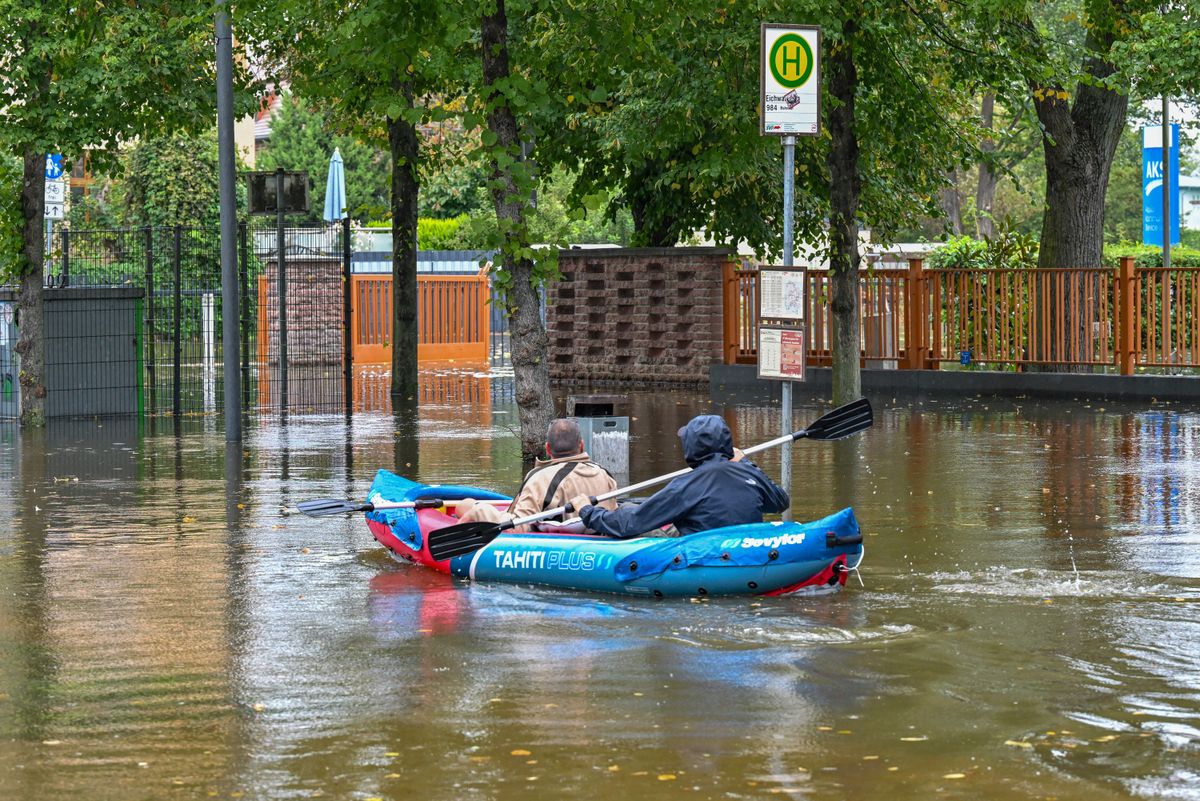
x=764, y=542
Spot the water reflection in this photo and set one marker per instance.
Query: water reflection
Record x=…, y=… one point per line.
x=1029, y=619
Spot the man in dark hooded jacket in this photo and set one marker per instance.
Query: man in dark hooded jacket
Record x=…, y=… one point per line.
x=723, y=489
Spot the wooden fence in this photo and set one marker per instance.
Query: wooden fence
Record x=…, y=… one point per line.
x=916, y=318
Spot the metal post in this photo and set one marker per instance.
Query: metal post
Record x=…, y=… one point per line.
x=1166, y=183
x=227, y=163
x=789, y=199
x=177, y=355
x=347, y=332
x=151, y=355
x=244, y=273
x=64, y=278
x=281, y=294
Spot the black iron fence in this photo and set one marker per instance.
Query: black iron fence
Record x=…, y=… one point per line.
x=142, y=331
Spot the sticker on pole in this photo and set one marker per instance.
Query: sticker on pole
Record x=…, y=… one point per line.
x=790, y=100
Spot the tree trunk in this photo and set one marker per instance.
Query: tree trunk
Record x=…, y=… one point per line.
x=31, y=338
x=951, y=202
x=844, y=187
x=985, y=192
x=402, y=139
x=530, y=345
x=1080, y=143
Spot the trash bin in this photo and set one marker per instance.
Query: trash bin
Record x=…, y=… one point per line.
x=605, y=433
x=10, y=396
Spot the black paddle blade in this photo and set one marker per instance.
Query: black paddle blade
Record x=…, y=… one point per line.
x=842, y=421
x=331, y=506
x=451, y=541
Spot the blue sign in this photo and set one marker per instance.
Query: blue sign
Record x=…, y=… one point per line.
x=1152, y=181
x=54, y=166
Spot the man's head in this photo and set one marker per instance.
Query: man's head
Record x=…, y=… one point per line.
x=704, y=437
x=563, y=438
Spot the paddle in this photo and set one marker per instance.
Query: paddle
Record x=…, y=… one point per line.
x=333, y=506
x=451, y=541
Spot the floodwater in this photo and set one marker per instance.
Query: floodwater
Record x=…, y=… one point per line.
x=1028, y=623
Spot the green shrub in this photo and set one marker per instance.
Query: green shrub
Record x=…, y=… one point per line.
x=1150, y=255
x=433, y=234
x=1008, y=249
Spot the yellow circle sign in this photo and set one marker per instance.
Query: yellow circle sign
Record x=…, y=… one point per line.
x=791, y=61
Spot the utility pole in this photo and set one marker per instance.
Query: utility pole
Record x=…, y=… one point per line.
x=228, y=198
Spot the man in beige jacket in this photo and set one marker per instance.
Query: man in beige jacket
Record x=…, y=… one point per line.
x=568, y=472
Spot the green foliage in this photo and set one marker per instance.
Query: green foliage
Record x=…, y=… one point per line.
x=1123, y=201
x=303, y=138
x=11, y=173
x=438, y=234
x=1150, y=255
x=171, y=180
x=1008, y=249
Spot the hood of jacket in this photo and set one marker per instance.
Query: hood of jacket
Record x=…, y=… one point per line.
x=705, y=437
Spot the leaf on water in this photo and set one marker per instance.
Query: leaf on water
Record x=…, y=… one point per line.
x=480, y=758
x=824, y=728
x=1108, y=738
x=867, y=757
x=520, y=752
x=51, y=742
x=955, y=776
x=666, y=777
x=922, y=738
x=613, y=768
x=1018, y=744
x=189, y=519
x=389, y=753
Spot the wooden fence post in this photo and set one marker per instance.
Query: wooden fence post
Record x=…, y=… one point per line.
x=730, y=313
x=914, y=317
x=1126, y=340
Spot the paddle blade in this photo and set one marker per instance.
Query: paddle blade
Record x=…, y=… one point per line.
x=451, y=541
x=842, y=421
x=331, y=506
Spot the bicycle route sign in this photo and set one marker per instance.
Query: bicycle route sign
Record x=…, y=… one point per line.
x=790, y=101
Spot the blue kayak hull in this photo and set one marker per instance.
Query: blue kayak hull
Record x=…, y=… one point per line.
x=773, y=558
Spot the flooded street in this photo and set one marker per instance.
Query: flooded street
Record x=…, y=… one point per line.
x=1028, y=623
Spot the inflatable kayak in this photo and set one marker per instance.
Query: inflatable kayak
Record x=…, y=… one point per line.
x=773, y=558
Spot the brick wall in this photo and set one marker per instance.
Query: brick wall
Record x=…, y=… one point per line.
x=636, y=315
x=314, y=303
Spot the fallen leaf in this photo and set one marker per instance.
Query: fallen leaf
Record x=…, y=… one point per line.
x=520, y=752
x=188, y=519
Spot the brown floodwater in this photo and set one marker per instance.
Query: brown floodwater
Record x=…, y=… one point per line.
x=1027, y=626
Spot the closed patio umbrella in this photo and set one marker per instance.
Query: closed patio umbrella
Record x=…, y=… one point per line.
x=335, y=189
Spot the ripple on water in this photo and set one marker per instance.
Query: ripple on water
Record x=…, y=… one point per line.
x=1037, y=583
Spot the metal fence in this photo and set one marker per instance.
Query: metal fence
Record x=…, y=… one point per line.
x=157, y=348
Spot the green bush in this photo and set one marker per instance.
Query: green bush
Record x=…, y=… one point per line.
x=1008, y=249
x=435, y=234
x=1150, y=255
